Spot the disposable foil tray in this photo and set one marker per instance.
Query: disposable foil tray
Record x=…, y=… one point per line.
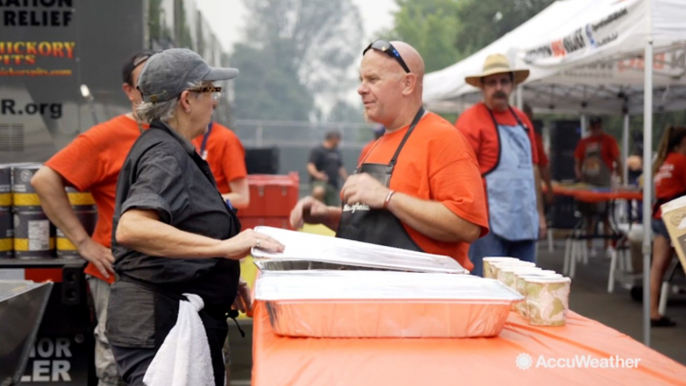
x=309, y=251
x=377, y=304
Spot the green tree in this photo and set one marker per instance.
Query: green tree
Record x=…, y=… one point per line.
x=484, y=21
x=183, y=32
x=344, y=111
x=308, y=45
x=266, y=90
x=431, y=26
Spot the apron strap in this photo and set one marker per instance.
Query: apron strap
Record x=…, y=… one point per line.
x=414, y=123
x=519, y=121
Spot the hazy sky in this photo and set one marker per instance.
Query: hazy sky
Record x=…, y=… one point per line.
x=227, y=18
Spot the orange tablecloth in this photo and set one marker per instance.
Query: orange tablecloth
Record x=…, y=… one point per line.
x=590, y=195
x=280, y=360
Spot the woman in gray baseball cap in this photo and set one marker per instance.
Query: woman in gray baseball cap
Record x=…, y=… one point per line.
x=173, y=234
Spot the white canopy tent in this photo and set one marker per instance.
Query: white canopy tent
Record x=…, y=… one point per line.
x=584, y=56
x=589, y=56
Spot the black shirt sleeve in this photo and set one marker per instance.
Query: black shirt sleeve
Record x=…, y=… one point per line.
x=158, y=184
x=314, y=157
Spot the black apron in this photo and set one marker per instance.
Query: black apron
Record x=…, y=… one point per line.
x=215, y=311
x=379, y=226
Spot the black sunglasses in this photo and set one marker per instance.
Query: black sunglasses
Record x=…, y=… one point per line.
x=388, y=49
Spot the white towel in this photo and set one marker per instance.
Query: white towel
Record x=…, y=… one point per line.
x=184, y=357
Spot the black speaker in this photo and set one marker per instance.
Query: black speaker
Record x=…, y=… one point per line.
x=564, y=137
x=262, y=160
x=73, y=285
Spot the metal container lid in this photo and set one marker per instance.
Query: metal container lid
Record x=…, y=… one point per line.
x=309, y=247
x=380, y=285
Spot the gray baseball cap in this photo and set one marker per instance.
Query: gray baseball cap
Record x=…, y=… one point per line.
x=167, y=74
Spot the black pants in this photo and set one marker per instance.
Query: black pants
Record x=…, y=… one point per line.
x=132, y=363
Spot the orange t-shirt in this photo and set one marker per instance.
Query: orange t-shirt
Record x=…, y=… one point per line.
x=365, y=150
x=609, y=151
x=542, y=157
x=478, y=128
x=91, y=162
x=436, y=164
x=225, y=155
x=670, y=179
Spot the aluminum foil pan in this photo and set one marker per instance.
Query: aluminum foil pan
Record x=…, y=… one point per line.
x=366, y=304
x=305, y=265
x=341, y=253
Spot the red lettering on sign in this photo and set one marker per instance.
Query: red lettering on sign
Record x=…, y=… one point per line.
x=558, y=48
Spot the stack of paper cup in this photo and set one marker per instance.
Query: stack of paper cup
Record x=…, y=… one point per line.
x=488, y=265
x=520, y=285
x=507, y=273
x=494, y=264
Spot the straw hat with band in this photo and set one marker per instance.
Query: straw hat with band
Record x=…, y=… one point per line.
x=497, y=64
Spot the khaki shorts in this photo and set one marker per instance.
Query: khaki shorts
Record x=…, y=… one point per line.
x=332, y=196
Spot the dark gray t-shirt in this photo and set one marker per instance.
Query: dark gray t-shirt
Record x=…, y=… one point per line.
x=164, y=173
x=328, y=161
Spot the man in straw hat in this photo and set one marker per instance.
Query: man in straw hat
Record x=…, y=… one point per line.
x=503, y=139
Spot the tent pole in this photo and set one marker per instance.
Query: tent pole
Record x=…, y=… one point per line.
x=625, y=148
x=647, y=173
x=520, y=97
x=582, y=121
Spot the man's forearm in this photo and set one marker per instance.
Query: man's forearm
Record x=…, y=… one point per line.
x=620, y=170
x=547, y=179
x=313, y=170
x=333, y=218
x=55, y=202
x=343, y=173
x=432, y=219
x=240, y=193
x=577, y=168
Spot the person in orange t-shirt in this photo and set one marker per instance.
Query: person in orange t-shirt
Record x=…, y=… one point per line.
x=670, y=183
x=503, y=139
x=91, y=162
x=595, y=159
x=597, y=156
x=225, y=154
x=419, y=187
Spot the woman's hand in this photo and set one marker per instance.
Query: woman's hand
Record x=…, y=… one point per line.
x=239, y=246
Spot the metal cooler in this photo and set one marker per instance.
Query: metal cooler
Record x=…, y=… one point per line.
x=22, y=304
x=64, y=344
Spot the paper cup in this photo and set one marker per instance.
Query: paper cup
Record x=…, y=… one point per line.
x=547, y=300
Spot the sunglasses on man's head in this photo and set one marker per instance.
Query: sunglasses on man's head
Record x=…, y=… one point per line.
x=388, y=49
